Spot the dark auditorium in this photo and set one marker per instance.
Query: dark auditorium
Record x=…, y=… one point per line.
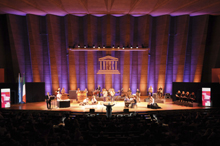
x=110, y=72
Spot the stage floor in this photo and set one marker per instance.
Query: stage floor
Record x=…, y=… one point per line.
x=118, y=107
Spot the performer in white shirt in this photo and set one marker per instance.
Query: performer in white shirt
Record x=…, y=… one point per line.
x=105, y=94
x=94, y=101
x=58, y=94
x=112, y=93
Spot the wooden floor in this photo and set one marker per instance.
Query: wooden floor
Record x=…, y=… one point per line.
x=118, y=107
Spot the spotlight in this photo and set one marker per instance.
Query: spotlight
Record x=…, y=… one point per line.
x=113, y=46
x=99, y=47
x=93, y=46
x=104, y=46
x=118, y=47
x=137, y=46
x=123, y=47
x=78, y=46
x=85, y=46
x=131, y=47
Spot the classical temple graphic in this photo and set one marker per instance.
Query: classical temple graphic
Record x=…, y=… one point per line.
x=108, y=65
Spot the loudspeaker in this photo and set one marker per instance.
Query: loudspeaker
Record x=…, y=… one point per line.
x=92, y=110
x=167, y=95
x=126, y=110
x=72, y=94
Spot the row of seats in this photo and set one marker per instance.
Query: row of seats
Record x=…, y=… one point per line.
x=163, y=128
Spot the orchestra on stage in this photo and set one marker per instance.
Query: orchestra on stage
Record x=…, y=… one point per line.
x=104, y=95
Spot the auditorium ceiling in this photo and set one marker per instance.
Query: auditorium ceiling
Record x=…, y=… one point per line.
x=114, y=7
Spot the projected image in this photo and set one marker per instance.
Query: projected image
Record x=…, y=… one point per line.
x=206, y=96
x=5, y=98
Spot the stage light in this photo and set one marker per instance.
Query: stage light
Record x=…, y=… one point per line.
x=85, y=46
x=137, y=47
x=99, y=47
x=78, y=46
x=103, y=46
x=131, y=47
x=93, y=46
x=113, y=46
x=118, y=47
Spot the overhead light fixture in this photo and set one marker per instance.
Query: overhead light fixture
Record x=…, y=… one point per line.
x=85, y=46
x=93, y=46
x=113, y=46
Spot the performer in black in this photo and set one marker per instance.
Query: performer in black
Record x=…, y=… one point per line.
x=178, y=95
x=192, y=97
x=109, y=109
x=48, y=101
x=187, y=95
x=183, y=96
x=99, y=89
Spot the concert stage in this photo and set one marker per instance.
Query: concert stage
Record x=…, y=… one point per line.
x=118, y=107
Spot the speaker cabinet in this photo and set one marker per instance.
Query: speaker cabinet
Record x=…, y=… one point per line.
x=126, y=110
x=72, y=94
x=92, y=110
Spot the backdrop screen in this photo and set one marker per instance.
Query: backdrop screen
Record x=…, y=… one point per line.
x=206, y=96
x=5, y=97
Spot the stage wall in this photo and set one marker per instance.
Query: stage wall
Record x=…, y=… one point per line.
x=37, y=46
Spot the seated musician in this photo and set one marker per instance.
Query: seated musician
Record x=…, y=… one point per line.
x=160, y=91
x=62, y=91
x=187, y=96
x=178, y=95
x=183, y=96
x=151, y=101
x=192, y=97
x=94, y=101
x=129, y=92
x=126, y=99
x=85, y=101
x=78, y=90
x=134, y=102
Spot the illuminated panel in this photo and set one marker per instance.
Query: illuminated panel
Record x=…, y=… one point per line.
x=206, y=96
x=5, y=97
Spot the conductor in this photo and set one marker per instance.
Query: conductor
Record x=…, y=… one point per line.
x=109, y=109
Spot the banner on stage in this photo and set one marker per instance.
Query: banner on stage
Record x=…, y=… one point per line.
x=5, y=97
x=206, y=96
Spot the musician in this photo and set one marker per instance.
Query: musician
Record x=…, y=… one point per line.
x=183, y=96
x=126, y=99
x=48, y=101
x=187, y=96
x=122, y=92
x=109, y=110
x=151, y=102
x=58, y=94
x=129, y=92
x=134, y=103
x=192, y=97
x=85, y=101
x=62, y=91
x=94, y=101
x=138, y=95
x=178, y=95
x=160, y=90
x=99, y=89
x=86, y=91
x=105, y=94
x=112, y=93
x=150, y=90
